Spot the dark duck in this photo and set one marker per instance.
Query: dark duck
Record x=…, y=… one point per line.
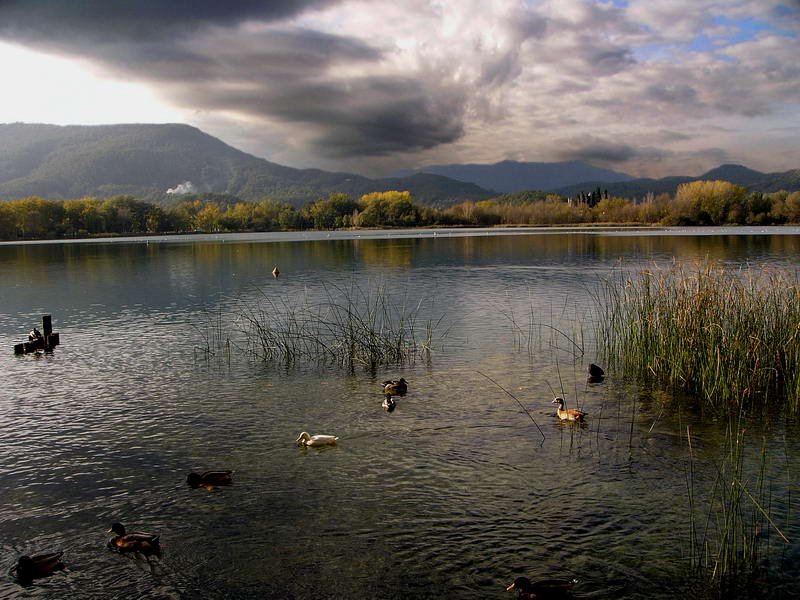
x=210, y=479
x=41, y=565
x=136, y=541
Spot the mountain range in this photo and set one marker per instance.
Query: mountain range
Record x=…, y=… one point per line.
x=146, y=161
x=638, y=188
x=157, y=163
x=511, y=176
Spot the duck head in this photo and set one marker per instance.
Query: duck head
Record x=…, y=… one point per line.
x=194, y=480
x=117, y=528
x=521, y=585
x=303, y=438
x=558, y=400
x=26, y=567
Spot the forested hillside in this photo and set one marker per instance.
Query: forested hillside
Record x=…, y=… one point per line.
x=146, y=161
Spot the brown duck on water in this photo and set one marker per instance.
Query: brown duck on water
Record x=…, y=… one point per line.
x=136, y=541
x=568, y=415
x=396, y=387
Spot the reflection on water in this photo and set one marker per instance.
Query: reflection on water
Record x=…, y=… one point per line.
x=451, y=495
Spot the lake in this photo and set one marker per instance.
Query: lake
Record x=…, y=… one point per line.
x=452, y=495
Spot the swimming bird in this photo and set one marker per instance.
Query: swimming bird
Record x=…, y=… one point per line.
x=395, y=386
x=306, y=439
x=41, y=565
x=568, y=415
x=136, y=541
x=596, y=374
x=276, y=272
x=209, y=479
x=544, y=588
x=389, y=404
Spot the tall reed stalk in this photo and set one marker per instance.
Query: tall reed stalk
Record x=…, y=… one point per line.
x=730, y=338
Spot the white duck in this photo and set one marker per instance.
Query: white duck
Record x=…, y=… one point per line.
x=307, y=439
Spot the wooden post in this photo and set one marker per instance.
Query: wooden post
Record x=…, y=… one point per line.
x=47, y=342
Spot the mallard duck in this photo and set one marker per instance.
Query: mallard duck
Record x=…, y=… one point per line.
x=544, y=588
x=306, y=439
x=41, y=565
x=389, y=404
x=209, y=479
x=136, y=541
x=596, y=374
x=568, y=415
x=395, y=386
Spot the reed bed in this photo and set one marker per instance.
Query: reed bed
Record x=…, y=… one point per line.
x=729, y=338
x=350, y=326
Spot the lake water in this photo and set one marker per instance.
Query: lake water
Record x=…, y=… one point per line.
x=452, y=495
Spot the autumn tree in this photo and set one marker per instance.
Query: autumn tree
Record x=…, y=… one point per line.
x=393, y=209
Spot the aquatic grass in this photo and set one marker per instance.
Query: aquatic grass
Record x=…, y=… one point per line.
x=350, y=326
x=213, y=341
x=731, y=549
x=535, y=332
x=729, y=338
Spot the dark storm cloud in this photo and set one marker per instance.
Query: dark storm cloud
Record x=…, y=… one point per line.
x=201, y=55
x=142, y=20
x=369, y=116
x=595, y=150
x=262, y=58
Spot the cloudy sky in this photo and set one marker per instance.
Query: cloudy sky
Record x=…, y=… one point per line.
x=650, y=87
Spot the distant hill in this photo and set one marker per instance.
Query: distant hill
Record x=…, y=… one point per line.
x=511, y=176
x=147, y=160
x=638, y=188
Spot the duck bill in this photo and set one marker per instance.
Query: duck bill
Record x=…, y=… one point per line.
x=510, y=588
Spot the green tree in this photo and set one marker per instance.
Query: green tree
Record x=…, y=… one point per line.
x=331, y=212
x=157, y=221
x=238, y=217
x=7, y=228
x=36, y=217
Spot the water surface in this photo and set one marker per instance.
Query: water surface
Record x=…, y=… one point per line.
x=452, y=495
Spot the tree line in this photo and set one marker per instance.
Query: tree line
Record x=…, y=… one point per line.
x=695, y=203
